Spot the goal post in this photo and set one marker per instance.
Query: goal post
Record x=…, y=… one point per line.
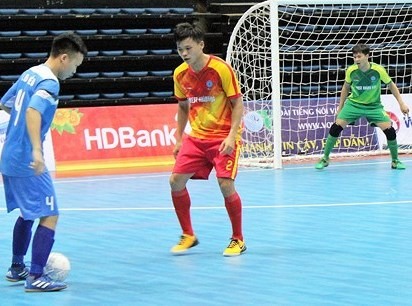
x=290, y=57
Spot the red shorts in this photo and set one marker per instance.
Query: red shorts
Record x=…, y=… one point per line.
x=200, y=156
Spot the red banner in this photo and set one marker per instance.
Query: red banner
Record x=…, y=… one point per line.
x=114, y=136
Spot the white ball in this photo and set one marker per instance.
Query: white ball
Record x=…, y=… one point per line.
x=253, y=121
x=57, y=266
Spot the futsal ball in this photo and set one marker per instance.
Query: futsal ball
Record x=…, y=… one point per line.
x=57, y=267
x=253, y=121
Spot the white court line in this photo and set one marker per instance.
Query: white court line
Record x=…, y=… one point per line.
x=244, y=207
x=249, y=206
x=167, y=174
x=343, y=164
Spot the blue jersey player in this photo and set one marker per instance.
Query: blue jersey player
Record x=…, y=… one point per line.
x=31, y=103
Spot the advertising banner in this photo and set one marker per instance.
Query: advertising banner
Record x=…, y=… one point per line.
x=305, y=126
x=144, y=135
x=401, y=123
x=117, y=136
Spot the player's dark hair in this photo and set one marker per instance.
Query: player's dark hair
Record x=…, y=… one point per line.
x=361, y=48
x=69, y=43
x=186, y=30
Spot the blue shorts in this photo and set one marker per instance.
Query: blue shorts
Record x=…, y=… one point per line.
x=33, y=195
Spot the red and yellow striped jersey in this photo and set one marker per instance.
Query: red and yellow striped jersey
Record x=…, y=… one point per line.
x=209, y=92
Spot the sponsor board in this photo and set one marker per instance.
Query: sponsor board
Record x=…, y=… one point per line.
x=305, y=125
x=401, y=123
x=86, y=137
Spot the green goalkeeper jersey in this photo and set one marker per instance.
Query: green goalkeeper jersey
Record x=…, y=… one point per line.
x=366, y=86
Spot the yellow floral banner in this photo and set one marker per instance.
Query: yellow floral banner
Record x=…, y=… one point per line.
x=66, y=120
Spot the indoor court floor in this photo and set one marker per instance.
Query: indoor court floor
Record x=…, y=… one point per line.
x=339, y=236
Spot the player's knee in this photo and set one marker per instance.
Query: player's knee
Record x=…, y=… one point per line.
x=173, y=181
x=390, y=133
x=178, y=181
x=227, y=186
x=335, y=130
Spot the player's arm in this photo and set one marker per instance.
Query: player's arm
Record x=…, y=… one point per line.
x=182, y=118
x=395, y=91
x=7, y=101
x=43, y=98
x=5, y=108
x=33, y=123
x=228, y=144
x=237, y=113
x=343, y=95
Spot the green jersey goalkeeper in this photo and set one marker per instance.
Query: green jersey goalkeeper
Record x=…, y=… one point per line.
x=363, y=81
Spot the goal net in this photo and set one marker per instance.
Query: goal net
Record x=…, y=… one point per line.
x=291, y=56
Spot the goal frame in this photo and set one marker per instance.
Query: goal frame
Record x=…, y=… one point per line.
x=275, y=54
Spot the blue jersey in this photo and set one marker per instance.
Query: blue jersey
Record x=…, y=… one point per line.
x=37, y=88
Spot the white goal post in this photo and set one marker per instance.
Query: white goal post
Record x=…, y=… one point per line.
x=290, y=57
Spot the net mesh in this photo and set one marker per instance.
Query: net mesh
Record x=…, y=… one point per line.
x=314, y=50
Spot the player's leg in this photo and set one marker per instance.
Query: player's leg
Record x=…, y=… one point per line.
x=21, y=240
x=390, y=134
x=43, y=240
x=181, y=202
x=38, y=201
x=334, y=133
x=233, y=204
x=347, y=114
x=226, y=170
x=379, y=117
x=190, y=162
x=21, y=235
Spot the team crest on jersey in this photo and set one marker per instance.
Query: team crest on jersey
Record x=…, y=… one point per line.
x=373, y=78
x=209, y=84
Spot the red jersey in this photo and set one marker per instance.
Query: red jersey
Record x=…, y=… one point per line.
x=209, y=92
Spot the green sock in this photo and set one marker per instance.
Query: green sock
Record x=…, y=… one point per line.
x=330, y=143
x=393, y=148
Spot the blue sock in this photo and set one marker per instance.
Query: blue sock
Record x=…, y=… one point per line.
x=21, y=240
x=43, y=241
